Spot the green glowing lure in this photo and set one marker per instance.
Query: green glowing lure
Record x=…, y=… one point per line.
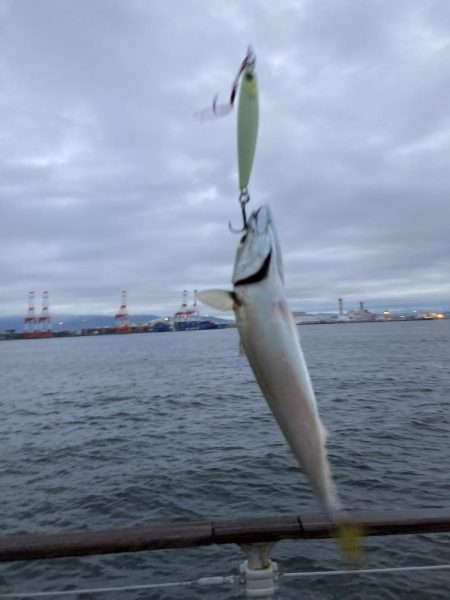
x=247, y=122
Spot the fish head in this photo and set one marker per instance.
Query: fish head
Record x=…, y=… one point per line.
x=258, y=249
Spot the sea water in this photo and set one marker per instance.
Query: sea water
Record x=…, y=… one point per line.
x=113, y=431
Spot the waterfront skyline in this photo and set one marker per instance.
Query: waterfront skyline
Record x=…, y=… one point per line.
x=108, y=183
x=59, y=320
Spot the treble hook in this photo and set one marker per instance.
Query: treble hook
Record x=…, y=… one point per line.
x=244, y=197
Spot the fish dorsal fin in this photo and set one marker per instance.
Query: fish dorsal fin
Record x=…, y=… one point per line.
x=218, y=299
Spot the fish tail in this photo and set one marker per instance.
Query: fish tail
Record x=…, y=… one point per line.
x=349, y=538
x=347, y=533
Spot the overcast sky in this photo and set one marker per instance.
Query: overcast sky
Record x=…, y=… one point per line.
x=107, y=182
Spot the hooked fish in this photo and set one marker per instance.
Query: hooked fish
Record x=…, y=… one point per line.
x=269, y=339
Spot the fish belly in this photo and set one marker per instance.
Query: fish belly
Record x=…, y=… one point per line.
x=270, y=340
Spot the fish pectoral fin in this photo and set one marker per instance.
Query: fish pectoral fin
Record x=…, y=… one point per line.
x=219, y=299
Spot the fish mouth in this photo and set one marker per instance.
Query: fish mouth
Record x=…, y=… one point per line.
x=259, y=275
x=258, y=222
x=262, y=219
x=255, y=250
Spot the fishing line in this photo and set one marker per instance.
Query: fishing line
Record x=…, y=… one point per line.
x=222, y=580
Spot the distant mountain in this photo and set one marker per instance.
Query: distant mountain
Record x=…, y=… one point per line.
x=11, y=323
x=217, y=320
x=73, y=322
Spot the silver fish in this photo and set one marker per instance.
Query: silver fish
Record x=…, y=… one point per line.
x=270, y=341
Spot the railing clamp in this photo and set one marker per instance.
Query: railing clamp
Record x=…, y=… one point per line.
x=258, y=573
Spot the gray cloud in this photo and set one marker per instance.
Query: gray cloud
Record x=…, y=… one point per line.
x=108, y=182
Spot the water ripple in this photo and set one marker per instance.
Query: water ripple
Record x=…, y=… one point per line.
x=150, y=428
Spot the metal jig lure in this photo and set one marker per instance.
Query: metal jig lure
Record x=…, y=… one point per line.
x=247, y=125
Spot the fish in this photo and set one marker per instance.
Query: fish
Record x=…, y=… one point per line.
x=270, y=340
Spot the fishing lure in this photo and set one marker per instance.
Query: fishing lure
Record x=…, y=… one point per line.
x=247, y=122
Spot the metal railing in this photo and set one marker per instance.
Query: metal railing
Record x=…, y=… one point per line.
x=160, y=536
x=256, y=536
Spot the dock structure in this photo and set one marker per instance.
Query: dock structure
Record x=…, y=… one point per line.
x=122, y=319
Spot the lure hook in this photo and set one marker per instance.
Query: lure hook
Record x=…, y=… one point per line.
x=244, y=197
x=220, y=110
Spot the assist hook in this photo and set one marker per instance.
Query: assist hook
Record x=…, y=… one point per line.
x=244, y=197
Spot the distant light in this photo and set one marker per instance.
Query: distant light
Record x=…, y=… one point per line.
x=440, y=316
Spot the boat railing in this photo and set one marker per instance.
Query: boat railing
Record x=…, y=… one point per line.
x=256, y=536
